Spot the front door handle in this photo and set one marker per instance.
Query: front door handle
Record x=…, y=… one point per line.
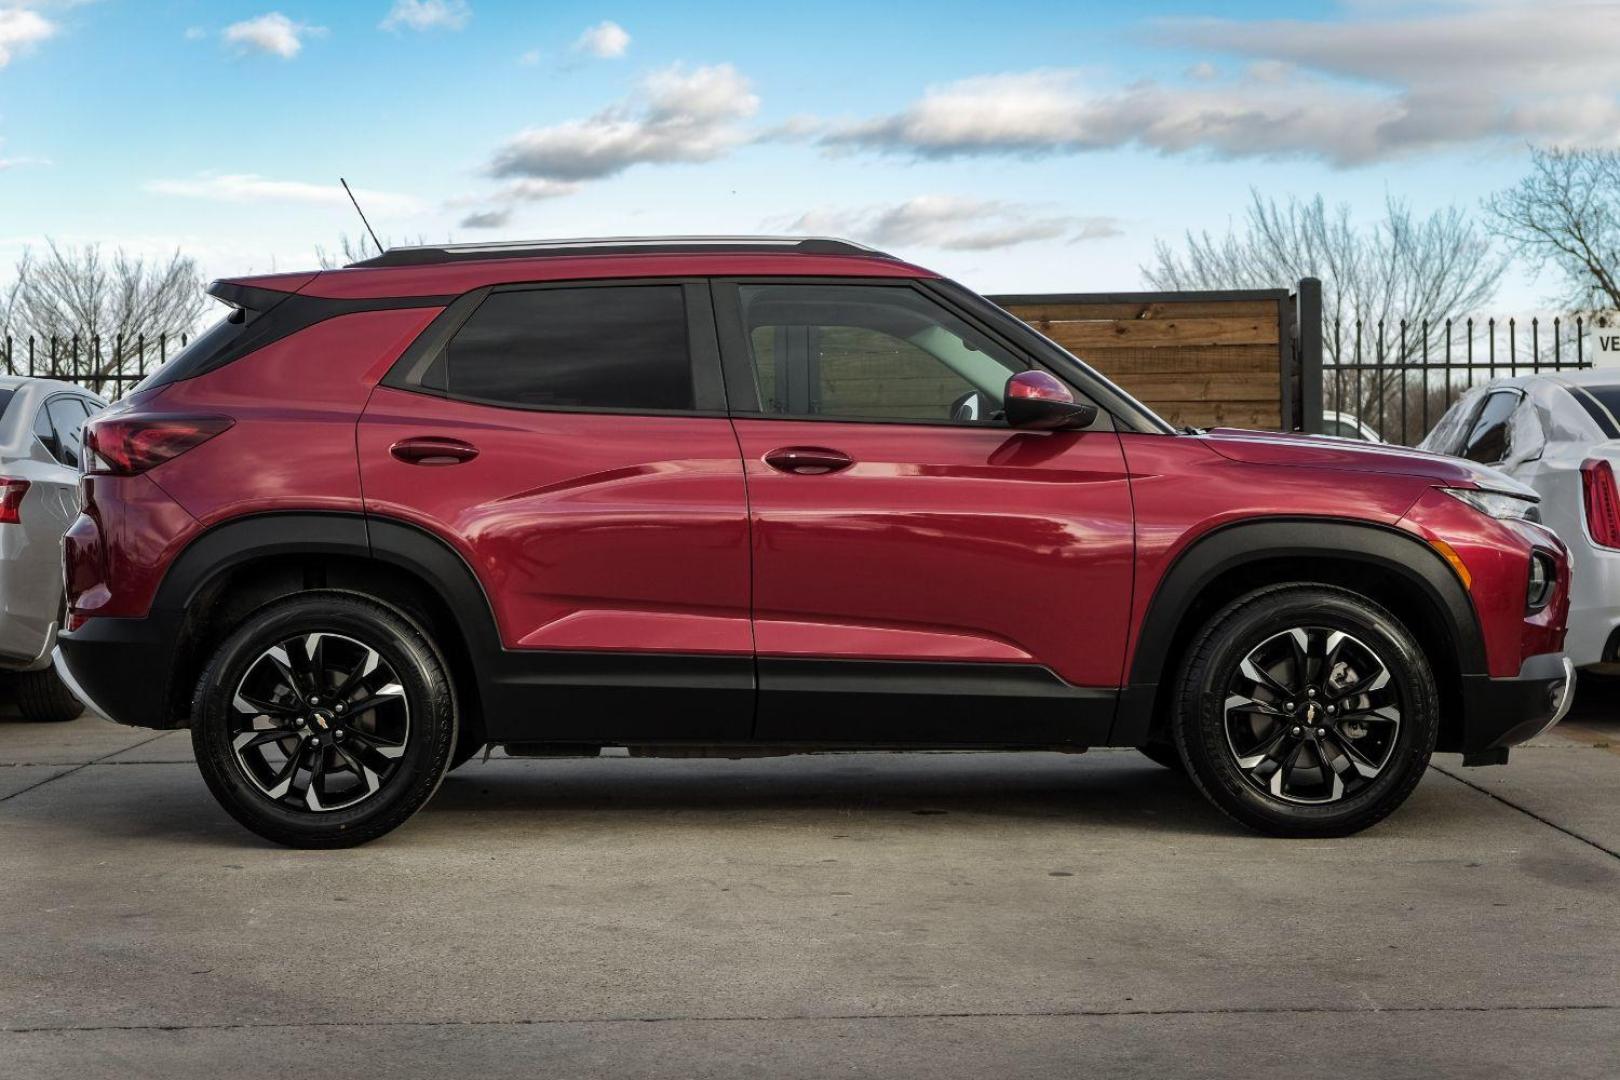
x=808, y=460
x=433, y=450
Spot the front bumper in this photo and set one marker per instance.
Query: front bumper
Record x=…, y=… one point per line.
x=1500, y=713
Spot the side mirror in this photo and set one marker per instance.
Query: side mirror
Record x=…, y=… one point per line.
x=1037, y=401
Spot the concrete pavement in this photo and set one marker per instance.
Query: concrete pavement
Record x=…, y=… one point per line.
x=898, y=915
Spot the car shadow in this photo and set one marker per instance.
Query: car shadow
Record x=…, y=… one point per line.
x=1102, y=789
x=1100, y=793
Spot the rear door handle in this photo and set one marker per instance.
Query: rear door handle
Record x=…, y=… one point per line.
x=808, y=460
x=433, y=450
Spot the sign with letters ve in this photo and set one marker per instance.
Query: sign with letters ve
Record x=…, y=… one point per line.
x=1606, y=339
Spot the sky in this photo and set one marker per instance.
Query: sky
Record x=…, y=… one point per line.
x=1017, y=146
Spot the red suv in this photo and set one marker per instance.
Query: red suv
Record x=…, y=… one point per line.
x=764, y=496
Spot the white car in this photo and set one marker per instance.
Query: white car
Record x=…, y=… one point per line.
x=1559, y=432
x=1349, y=426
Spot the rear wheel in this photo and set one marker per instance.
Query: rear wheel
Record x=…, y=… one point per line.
x=1306, y=710
x=323, y=721
x=43, y=698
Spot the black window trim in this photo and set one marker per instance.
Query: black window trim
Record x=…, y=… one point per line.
x=742, y=382
x=708, y=385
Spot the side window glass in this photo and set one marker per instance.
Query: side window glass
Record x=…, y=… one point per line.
x=1490, y=439
x=47, y=433
x=870, y=352
x=609, y=347
x=67, y=417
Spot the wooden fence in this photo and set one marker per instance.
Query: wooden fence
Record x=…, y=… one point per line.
x=1229, y=359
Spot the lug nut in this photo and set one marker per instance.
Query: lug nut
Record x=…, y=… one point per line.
x=1331, y=710
x=338, y=734
x=314, y=701
x=338, y=707
x=1297, y=730
x=1311, y=692
x=1289, y=705
x=1320, y=732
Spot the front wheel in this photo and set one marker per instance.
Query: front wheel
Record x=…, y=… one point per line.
x=325, y=720
x=1306, y=710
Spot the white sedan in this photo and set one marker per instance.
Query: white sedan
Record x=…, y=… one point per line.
x=1559, y=432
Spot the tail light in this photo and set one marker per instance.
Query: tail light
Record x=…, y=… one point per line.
x=11, y=497
x=1602, y=502
x=127, y=446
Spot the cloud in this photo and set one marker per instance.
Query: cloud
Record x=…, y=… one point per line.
x=18, y=162
x=678, y=116
x=605, y=41
x=1389, y=80
x=487, y=219
x=274, y=34
x=428, y=15
x=953, y=223
x=20, y=31
x=250, y=188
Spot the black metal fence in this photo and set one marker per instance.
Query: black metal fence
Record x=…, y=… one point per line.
x=108, y=369
x=1400, y=380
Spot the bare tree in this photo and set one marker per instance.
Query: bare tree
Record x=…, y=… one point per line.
x=8, y=300
x=1401, y=267
x=1566, y=214
x=102, y=307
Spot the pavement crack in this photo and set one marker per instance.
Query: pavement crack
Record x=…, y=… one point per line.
x=82, y=766
x=1527, y=812
x=1324, y=1010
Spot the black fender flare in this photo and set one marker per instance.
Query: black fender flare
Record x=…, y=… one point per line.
x=403, y=546
x=1233, y=546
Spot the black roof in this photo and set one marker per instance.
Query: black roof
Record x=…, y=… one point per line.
x=431, y=254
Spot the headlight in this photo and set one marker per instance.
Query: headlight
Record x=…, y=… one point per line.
x=1498, y=504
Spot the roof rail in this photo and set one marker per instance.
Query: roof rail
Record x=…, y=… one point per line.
x=428, y=254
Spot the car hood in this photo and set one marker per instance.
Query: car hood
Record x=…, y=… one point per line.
x=1321, y=451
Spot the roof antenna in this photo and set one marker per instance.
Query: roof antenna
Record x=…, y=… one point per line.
x=362, y=214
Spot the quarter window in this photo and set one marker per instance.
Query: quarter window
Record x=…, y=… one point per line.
x=870, y=352
x=611, y=347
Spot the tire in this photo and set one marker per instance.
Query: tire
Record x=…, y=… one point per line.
x=1274, y=758
x=1163, y=753
x=43, y=698
x=347, y=696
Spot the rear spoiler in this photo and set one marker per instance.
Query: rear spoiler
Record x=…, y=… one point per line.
x=256, y=295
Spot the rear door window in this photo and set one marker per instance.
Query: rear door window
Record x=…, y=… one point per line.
x=615, y=348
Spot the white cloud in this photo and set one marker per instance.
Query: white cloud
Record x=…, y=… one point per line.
x=428, y=15
x=606, y=41
x=20, y=31
x=678, y=116
x=952, y=223
x=273, y=33
x=1391, y=79
x=18, y=162
x=250, y=188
